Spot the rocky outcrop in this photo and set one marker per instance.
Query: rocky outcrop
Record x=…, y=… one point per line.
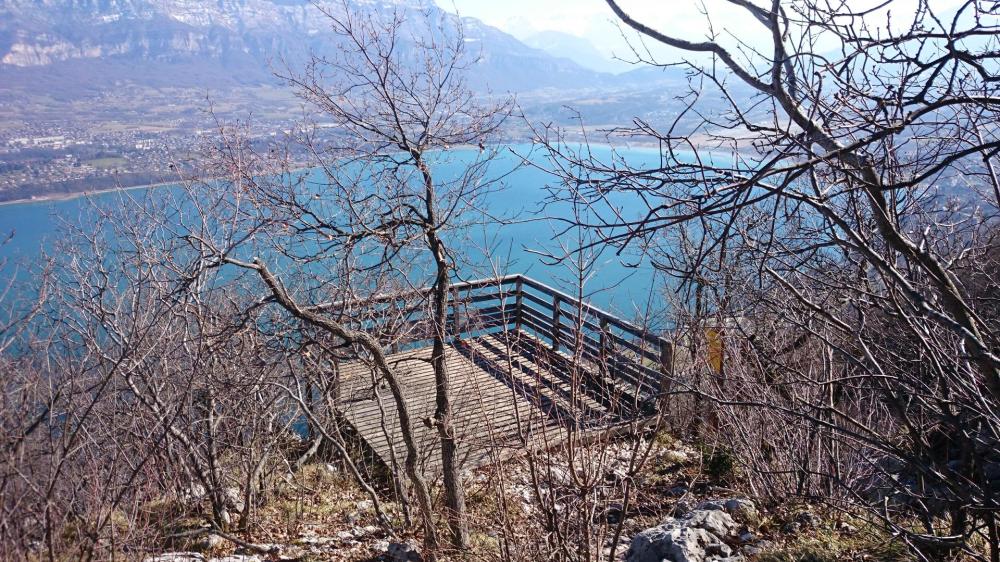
x=177, y=557
x=711, y=532
x=696, y=537
x=403, y=552
x=195, y=557
x=742, y=510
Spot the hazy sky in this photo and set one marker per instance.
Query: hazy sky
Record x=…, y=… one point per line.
x=593, y=19
x=590, y=19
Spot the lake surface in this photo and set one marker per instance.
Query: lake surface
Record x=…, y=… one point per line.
x=623, y=285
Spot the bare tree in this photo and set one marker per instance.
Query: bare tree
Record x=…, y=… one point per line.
x=395, y=109
x=383, y=211
x=829, y=199
x=150, y=397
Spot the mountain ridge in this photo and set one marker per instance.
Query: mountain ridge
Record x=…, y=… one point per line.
x=578, y=49
x=231, y=41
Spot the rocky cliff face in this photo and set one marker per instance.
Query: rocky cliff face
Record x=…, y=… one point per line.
x=43, y=33
x=225, y=35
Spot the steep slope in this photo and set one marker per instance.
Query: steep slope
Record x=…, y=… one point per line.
x=84, y=45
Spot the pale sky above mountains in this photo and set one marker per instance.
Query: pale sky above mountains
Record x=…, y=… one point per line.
x=588, y=19
x=593, y=20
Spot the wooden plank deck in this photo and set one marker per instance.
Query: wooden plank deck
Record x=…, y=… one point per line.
x=508, y=391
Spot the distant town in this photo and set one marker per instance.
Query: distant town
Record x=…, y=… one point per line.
x=112, y=140
x=135, y=135
x=66, y=161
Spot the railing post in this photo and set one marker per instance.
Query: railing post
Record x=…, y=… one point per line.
x=605, y=348
x=555, y=322
x=395, y=333
x=518, y=303
x=666, y=373
x=456, y=315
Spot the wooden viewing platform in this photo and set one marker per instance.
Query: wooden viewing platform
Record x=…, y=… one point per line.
x=525, y=362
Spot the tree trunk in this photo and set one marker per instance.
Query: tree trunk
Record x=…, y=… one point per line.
x=454, y=491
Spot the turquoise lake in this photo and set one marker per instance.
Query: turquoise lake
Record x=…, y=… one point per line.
x=622, y=284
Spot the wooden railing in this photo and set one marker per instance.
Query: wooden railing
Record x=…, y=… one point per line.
x=613, y=350
x=616, y=351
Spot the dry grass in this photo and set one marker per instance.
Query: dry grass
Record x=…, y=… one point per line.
x=322, y=504
x=825, y=545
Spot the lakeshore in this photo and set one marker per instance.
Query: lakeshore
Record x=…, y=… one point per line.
x=48, y=199
x=622, y=284
x=630, y=147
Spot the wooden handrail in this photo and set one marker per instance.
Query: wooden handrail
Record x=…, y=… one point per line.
x=551, y=314
x=593, y=310
x=521, y=281
x=551, y=297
